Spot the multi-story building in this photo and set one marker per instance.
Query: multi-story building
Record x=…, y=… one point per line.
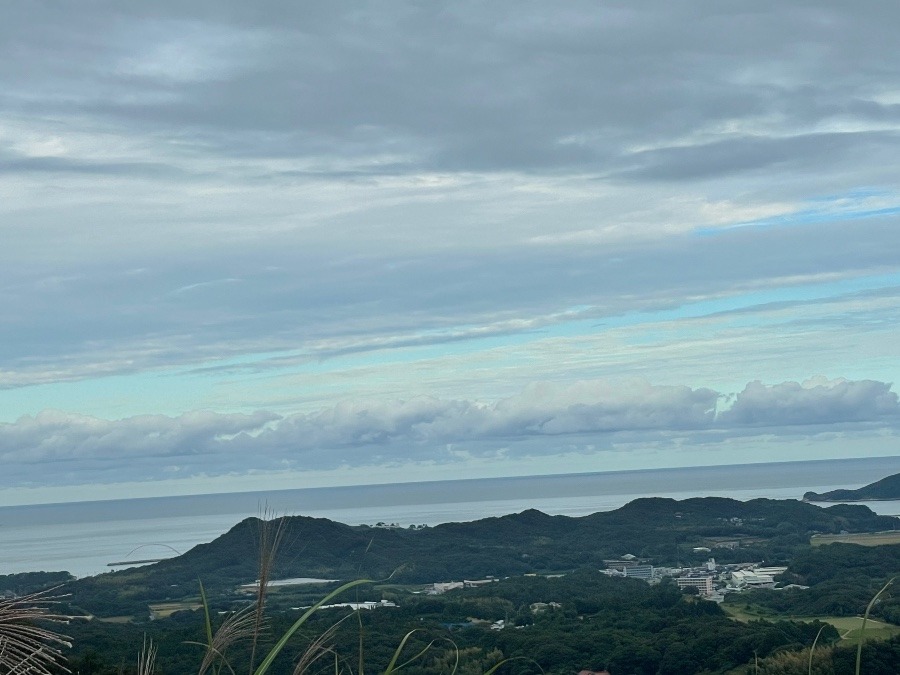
x=703, y=584
x=639, y=572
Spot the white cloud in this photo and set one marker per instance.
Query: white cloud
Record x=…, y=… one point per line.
x=57, y=436
x=544, y=420
x=816, y=401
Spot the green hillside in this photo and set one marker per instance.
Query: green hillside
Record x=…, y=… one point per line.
x=886, y=488
x=665, y=531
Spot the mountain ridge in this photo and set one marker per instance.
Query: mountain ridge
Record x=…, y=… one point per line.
x=660, y=529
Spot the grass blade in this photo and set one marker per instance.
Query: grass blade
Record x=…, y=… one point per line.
x=276, y=650
x=206, y=619
x=494, y=668
x=393, y=662
x=862, y=628
x=813, y=648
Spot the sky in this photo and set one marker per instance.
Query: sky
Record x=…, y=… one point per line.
x=292, y=244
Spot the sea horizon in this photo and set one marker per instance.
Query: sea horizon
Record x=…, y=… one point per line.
x=437, y=491
x=52, y=536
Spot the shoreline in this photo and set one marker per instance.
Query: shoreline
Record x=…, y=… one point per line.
x=42, y=537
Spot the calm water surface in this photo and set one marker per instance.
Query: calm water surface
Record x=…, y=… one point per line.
x=84, y=537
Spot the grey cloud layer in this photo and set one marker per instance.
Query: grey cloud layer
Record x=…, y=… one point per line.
x=126, y=320
x=466, y=85
x=221, y=187
x=221, y=136
x=425, y=429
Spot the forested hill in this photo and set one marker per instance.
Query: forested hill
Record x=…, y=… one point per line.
x=886, y=488
x=664, y=531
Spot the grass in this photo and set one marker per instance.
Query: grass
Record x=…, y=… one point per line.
x=27, y=647
x=874, y=630
x=862, y=637
x=849, y=627
x=861, y=538
x=164, y=610
x=852, y=630
x=745, y=614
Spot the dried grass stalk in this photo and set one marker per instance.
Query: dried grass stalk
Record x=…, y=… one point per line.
x=237, y=627
x=271, y=532
x=147, y=658
x=26, y=646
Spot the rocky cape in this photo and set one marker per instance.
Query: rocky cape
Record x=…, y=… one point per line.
x=884, y=489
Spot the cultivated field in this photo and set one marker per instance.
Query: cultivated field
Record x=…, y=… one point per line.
x=164, y=609
x=863, y=539
x=848, y=626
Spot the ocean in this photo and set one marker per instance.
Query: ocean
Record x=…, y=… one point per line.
x=83, y=537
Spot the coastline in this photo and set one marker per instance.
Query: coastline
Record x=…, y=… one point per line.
x=51, y=537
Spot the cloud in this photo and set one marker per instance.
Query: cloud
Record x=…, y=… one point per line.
x=820, y=401
x=429, y=205
x=318, y=306
x=53, y=436
x=719, y=158
x=542, y=420
x=540, y=410
x=51, y=165
x=512, y=87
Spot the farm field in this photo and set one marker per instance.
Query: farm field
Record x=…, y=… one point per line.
x=165, y=609
x=861, y=538
x=848, y=626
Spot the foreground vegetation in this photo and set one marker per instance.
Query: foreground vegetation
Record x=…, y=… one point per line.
x=596, y=622
x=623, y=625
